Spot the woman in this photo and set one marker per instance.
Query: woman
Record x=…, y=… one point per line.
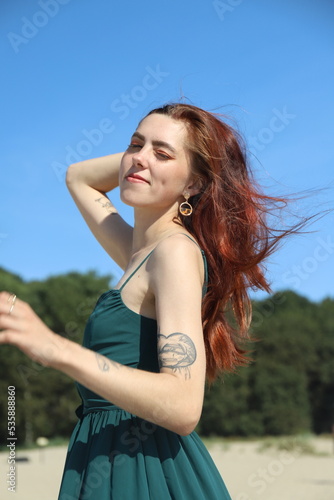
x=198, y=240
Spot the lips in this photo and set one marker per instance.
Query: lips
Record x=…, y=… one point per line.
x=136, y=178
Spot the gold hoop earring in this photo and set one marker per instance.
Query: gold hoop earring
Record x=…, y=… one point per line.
x=185, y=208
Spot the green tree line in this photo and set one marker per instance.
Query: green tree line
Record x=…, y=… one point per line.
x=287, y=388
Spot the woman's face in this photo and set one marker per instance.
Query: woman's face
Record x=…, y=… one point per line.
x=155, y=169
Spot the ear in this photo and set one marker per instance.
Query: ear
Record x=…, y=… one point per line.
x=194, y=187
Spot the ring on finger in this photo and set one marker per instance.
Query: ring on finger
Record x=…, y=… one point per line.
x=13, y=298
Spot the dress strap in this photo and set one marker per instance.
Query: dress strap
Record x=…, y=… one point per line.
x=150, y=253
x=206, y=274
x=134, y=272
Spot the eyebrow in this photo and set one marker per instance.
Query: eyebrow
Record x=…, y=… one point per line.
x=155, y=142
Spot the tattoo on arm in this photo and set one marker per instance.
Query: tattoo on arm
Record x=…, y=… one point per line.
x=176, y=351
x=106, y=204
x=104, y=363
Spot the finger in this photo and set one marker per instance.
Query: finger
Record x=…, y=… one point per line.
x=9, y=303
x=9, y=322
x=9, y=337
x=6, y=296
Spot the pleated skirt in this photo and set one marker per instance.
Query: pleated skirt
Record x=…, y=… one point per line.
x=115, y=455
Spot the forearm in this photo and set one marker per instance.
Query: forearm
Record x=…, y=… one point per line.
x=159, y=398
x=98, y=173
x=88, y=183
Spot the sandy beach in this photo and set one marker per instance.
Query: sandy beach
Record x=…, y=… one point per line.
x=249, y=473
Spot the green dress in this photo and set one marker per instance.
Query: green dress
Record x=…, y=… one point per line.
x=116, y=455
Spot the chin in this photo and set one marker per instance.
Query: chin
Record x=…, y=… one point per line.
x=131, y=201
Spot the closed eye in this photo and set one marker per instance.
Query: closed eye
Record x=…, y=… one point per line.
x=134, y=146
x=162, y=155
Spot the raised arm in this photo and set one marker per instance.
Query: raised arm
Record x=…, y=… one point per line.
x=88, y=182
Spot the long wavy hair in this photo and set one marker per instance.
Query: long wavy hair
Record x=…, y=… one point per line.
x=230, y=223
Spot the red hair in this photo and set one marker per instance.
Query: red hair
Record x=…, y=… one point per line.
x=229, y=222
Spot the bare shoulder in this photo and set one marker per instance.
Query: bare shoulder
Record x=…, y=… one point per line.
x=177, y=257
x=178, y=245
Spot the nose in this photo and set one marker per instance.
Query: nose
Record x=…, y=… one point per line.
x=139, y=158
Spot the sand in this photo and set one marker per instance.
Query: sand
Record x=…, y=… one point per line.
x=248, y=473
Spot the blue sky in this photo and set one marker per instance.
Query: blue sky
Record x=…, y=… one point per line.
x=79, y=75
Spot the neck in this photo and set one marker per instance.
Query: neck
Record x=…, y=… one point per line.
x=149, y=228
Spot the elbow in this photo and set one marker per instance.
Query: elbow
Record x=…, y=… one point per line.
x=71, y=174
x=181, y=410
x=186, y=428
x=187, y=423
x=75, y=176
x=186, y=431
